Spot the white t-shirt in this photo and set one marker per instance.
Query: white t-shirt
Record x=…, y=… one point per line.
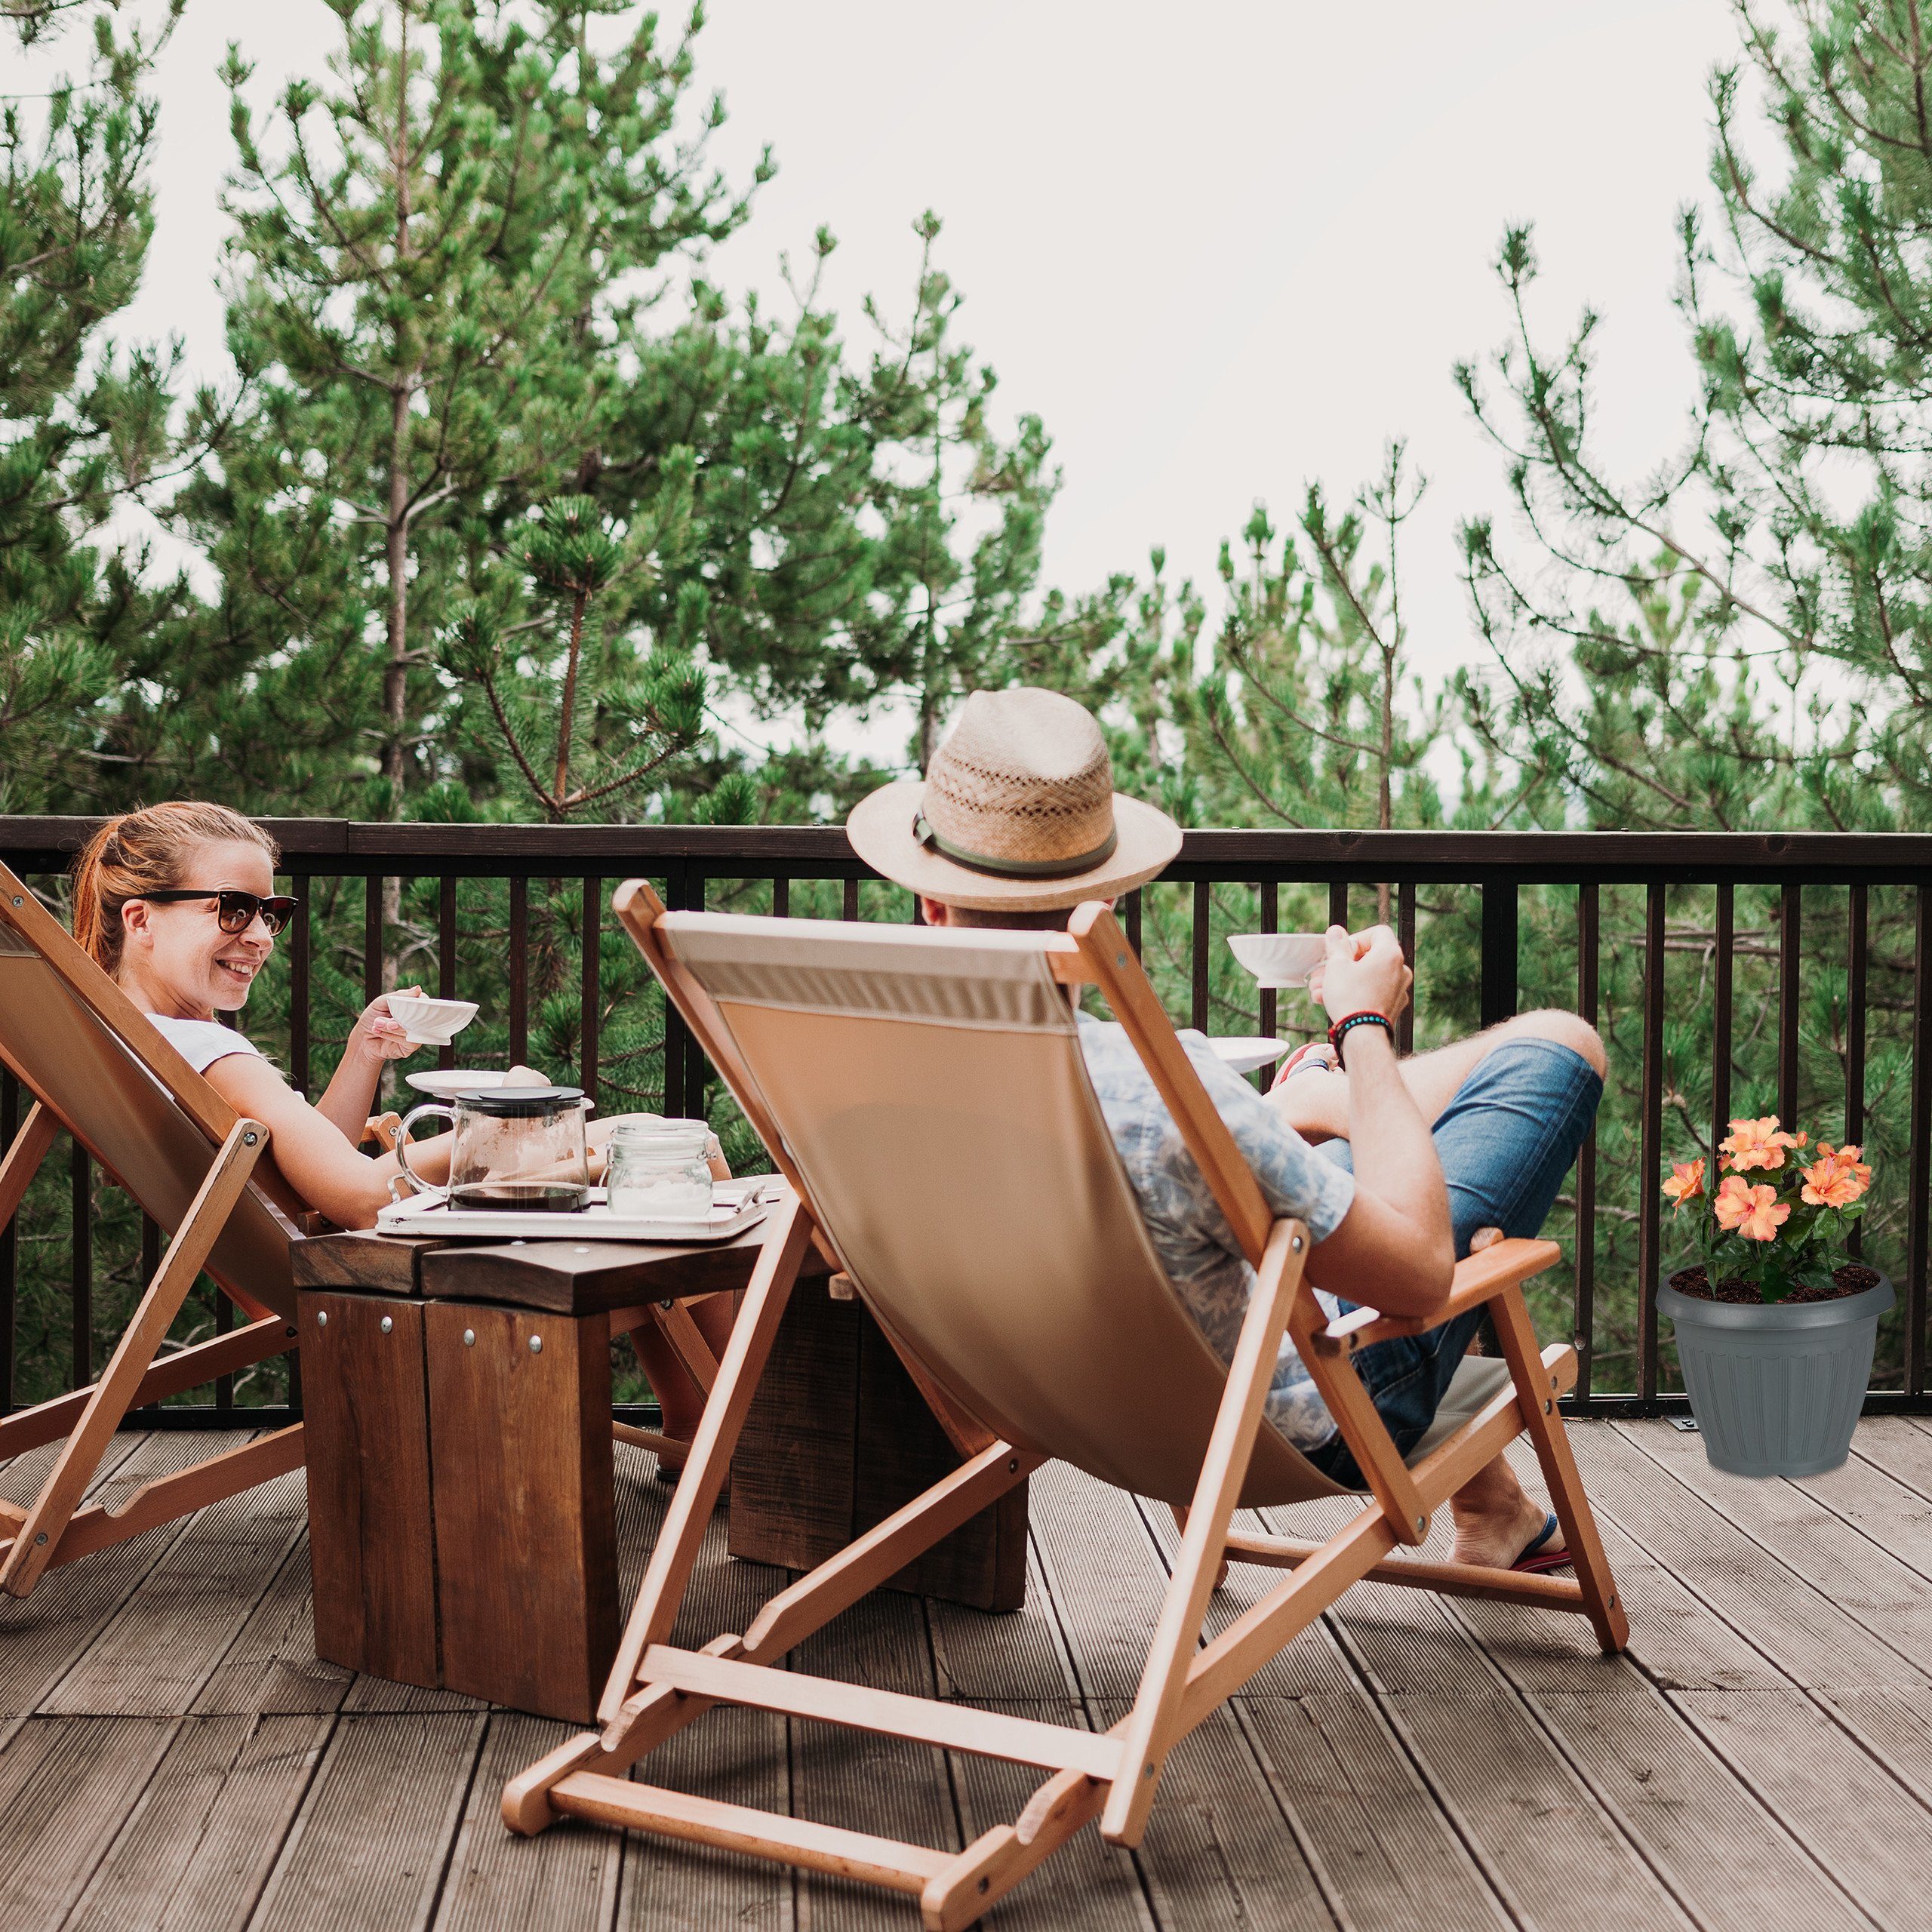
x=202, y=1042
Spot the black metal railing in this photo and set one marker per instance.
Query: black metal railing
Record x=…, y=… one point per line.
x=1812, y=955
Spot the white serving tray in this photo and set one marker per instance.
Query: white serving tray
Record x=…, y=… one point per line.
x=736, y=1206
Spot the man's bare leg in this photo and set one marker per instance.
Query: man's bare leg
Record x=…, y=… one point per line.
x=1496, y=1519
x=1316, y=1104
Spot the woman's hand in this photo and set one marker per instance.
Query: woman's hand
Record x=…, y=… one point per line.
x=376, y=1037
x=1364, y=973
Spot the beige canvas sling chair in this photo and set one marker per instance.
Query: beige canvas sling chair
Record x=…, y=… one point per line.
x=924, y=1093
x=98, y=1066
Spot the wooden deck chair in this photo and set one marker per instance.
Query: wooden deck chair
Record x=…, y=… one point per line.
x=925, y=1094
x=96, y=1065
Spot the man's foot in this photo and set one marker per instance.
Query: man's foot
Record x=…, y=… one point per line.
x=1499, y=1540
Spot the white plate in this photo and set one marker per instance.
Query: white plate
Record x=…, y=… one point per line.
x=1248, y=1051
x=445, y=1086
x=1279, y=959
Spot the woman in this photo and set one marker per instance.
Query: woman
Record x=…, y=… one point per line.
x=176, y=903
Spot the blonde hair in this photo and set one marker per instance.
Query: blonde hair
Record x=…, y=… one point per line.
x=145, y=851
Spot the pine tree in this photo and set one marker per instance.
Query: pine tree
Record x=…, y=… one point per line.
x=81, y=425
x=442, y=259
x=1742, y=637
x=964, y=509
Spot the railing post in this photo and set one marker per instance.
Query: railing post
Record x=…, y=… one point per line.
x=590, y=994
x=1200, y=938
x=1791, y=929
x=676, y=1036
x=1649, y=1199
x=1498, y=1001
x=10, y=1125
x=1583, y=1308
x=1920, y=1143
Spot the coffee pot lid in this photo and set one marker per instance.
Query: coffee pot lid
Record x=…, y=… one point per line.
x=520, y=1102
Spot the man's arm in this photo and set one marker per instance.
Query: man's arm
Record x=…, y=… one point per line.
x=1395, y=1249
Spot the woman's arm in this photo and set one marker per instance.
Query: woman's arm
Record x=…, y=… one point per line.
x=311, y=1150
x=375, y=1040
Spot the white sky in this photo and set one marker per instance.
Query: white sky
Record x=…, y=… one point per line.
x=1221, y=250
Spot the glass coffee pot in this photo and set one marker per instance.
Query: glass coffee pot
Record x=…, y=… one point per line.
x=517, y=1150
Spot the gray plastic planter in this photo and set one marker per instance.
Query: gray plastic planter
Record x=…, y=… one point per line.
x=1776, y=1389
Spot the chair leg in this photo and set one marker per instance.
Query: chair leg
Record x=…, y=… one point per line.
x=1153, y=1727
x=39, y=1536
x=676, y=1552
x=1517, y=1337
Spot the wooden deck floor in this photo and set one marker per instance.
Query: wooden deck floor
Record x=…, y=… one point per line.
x=171, y=1755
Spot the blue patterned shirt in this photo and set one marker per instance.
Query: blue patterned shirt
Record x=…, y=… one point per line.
x=1189, y=1232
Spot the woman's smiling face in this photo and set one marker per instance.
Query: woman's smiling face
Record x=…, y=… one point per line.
x=178, y=956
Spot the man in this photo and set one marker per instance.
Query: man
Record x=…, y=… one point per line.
x=1399, y=1167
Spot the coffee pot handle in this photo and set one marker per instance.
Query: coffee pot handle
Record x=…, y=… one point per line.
x=409, y=1120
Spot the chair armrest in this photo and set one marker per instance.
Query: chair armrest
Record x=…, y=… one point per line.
x=383, y=1129
x=1481, y=1278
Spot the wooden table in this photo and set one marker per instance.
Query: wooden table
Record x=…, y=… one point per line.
x=461, y=1506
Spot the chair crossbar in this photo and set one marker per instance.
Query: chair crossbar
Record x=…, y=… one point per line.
x=786, y=1841
x=954, y=1726
x=1446, y=1579
x=167, y=1497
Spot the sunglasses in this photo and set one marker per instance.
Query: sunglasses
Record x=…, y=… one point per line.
x=235, y=912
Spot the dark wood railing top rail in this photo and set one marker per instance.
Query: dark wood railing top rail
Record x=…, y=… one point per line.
x=353, y=847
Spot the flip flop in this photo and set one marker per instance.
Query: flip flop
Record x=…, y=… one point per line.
x=1530, y=1564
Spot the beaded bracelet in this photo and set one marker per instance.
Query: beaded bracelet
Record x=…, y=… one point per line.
x=1342, y=1028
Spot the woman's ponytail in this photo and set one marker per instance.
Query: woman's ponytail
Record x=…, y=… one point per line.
x=145, y=851
x=90, y=921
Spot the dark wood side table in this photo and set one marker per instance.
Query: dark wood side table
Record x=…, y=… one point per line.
x=462, y=1517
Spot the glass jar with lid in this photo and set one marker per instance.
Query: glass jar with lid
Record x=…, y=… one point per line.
x=660, y=1169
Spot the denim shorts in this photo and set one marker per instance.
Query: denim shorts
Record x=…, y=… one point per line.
x=1506, y=1141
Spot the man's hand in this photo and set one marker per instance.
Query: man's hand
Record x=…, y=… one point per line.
x=1364, y=973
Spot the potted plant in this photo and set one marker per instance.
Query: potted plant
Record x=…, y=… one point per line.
x=1776, y=1324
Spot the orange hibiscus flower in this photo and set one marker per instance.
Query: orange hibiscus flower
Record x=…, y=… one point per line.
x=1686, y=1182
x=1755, y=1213
x=1757, y=1143
x=1837, y=1178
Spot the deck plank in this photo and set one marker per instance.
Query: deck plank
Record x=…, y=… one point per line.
x=67, y=1786
x=369, y=1843
x=1850, y=1811
x=1218, y=1850
x=738, y=1756
x=197, y=1848
x=1086, y=1886
x=271, y=1665
x=1803, y=1629
x=166, y=1641
x=564, y=1880
x=42, y=1635
x=1376, y=1835
x=1221, y=1847
x=1860, y=1577
x=885, y=1785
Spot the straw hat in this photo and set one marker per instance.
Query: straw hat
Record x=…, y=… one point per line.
x=1018, y=812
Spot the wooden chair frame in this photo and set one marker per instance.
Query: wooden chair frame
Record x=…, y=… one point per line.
x=655, y=1689
x=54, y=1529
